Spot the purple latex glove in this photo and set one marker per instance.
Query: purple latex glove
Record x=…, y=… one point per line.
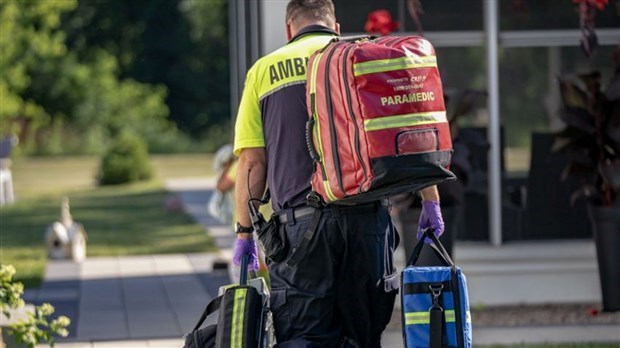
x=246, y=246
x=430, y=218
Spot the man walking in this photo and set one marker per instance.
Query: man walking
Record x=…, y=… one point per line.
x=341, y=291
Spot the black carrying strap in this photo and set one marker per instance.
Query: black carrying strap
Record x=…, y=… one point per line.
x=299, y=251
x=436, y=317
x=211, y=307
x=436, y=327
x=437, y=247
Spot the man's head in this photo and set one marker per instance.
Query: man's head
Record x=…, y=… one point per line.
x=301, y=13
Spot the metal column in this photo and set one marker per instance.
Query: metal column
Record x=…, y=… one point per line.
x=245, y=44
x=233, y=43
x=493, y=128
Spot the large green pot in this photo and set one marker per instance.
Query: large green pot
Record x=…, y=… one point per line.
x=606, y=231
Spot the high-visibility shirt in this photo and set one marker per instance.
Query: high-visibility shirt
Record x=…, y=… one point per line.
x=272, y=114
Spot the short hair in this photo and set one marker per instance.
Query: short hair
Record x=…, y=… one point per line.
x=318, y=10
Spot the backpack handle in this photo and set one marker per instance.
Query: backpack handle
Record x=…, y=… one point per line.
x=309, y=139
x=354, y=38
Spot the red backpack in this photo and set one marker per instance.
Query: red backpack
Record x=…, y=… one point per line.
x=378, y=122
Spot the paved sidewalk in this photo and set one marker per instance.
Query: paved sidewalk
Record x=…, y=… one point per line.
x=130, y=298
x=151, y=301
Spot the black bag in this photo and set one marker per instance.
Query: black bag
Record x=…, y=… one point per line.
x=241, y=321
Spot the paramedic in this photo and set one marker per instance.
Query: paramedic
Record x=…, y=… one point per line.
x=341, y=292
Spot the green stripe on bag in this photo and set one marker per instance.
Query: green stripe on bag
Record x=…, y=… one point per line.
x=385, y=65
x=406, y=120
x=421, y=318
x=236, y=334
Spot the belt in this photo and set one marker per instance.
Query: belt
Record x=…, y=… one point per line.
x=283, y=216
x=294, y=214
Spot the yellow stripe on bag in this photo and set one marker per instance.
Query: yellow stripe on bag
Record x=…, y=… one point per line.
x=384, y=65
x=329, y=192
x=420, y=318
x=236, y=334
x=315, y=68
x=405, y=120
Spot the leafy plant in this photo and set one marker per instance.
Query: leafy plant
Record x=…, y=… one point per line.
x=591, y=137
x=37, y=327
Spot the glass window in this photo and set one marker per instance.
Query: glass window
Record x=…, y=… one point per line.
x=462, y=67
x=551, y=14
x=524, y=87
x=448, y=15
x=352, y=15
x=573, y=60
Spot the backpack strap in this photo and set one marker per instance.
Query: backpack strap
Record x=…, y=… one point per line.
x=300, y=250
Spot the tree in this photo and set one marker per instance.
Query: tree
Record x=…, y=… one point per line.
x=181, y=44
x=29, y=33
x=63, y=98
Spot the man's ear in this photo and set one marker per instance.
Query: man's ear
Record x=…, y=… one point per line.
x=337, y=28
x=289, y=34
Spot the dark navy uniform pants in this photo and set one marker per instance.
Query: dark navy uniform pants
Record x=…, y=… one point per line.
x=336, y=295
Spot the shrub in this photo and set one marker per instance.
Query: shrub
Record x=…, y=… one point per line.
x=127, y=160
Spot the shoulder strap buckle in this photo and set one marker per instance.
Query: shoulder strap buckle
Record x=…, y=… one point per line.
x=314, y=200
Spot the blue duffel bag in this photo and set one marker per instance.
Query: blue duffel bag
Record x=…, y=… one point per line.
x=435, y=304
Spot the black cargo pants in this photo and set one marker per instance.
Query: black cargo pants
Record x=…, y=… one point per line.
x=337, y=295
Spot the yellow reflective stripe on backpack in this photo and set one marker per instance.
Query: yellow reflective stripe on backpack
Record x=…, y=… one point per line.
x=384, y=65
x=405, y=120
x=236, y=332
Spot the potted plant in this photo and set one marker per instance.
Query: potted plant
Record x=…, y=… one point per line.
x=591, y=138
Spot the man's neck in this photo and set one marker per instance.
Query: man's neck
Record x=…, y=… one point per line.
x=313, y=28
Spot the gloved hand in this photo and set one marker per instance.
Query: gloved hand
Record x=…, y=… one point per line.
x=430, y=218
x=243, y=247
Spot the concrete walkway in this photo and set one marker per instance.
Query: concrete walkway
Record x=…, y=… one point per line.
x=131, y=297
x=151, y=301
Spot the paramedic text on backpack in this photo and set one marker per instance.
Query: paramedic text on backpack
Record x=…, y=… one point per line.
x=338, y=287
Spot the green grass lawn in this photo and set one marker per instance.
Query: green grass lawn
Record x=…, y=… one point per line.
x=119, y=220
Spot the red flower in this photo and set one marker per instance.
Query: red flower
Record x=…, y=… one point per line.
x=380, y=21
x=600, y=4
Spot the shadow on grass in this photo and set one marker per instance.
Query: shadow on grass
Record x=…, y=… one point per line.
x=119, y=220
